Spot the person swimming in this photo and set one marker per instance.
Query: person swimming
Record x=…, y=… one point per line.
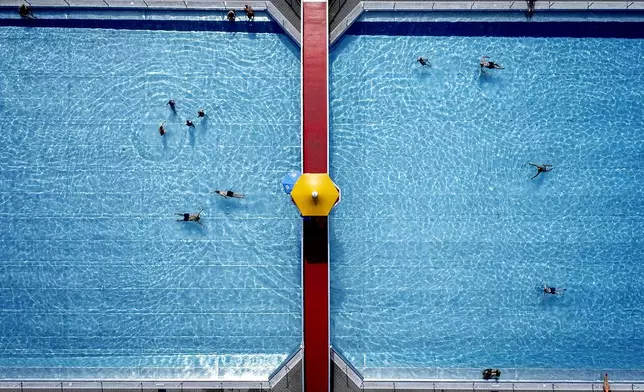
x=231, y=16
x=491, y=373
x=423, y=61
x=228, y=194
x=201, y=113
x=552, y=290
x=540, y=169
x=172, y=105
x=25, y=12
x=485, y=63
x=187, y=217
x=249, y=12
x=162, y=129
x=190, y=124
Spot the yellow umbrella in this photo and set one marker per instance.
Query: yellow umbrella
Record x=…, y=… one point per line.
x=315, y=194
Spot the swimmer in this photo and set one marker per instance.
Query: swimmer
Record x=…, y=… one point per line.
x=25, y=12
x=190, y=124
x=540, y=169
x=162, y=129
x=552, y=290
x=186, y=217
x=231, y=16
x=201, y=113
x=491, y=373
x=228, y=194
x=484, y=63
x=249, y=12
x=172, y=104
x=606, y=384
x=423, y=61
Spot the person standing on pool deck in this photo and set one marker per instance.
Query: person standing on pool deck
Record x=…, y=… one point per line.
x=249, y=12
x=231, y=16
x=228, y=194
x=484, y=63
x=530, y=11
x=25, y=12
x=540, y=169
x=423, y=61
x=552, y=290
x=606, y=384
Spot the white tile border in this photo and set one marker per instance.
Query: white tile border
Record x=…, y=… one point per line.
x=559, y=5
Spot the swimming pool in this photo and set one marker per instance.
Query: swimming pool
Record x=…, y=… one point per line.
x=442, y=243
x=97, y=279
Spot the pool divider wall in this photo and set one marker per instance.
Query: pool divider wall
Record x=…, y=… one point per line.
x=165, y=5
x=460, y=5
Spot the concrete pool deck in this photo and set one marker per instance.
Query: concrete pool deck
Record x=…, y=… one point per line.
x=280, y=10
x=347, y=12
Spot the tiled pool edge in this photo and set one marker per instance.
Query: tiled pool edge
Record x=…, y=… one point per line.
x=507, y=5
x=288, y=377
x=345, y=378
x=183, y=5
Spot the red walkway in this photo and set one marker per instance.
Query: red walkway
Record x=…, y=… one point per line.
x=315, y=160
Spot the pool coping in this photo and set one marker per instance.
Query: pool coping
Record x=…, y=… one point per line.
x=168, y=5
x=477, y=5
x=350, y=379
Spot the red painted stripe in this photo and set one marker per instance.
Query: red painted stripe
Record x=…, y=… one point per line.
x=315, y=231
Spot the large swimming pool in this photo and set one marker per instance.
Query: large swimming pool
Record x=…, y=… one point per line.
x=97, y=279
x=442, y=242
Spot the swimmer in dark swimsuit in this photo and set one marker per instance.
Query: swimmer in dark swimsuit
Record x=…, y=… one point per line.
x=552, y=290
x=25, y=12
x=491, y=373
x=228, y=194
x=172, y=105
x=162, y=129
x=190, y=124
x=423, y=61
x=484, y=63
x=540, y=169
x=231, y=16
x=190, y=217
x=201, y=113
x=249, y=12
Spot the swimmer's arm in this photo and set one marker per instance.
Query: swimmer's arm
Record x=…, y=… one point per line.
x=535, y=176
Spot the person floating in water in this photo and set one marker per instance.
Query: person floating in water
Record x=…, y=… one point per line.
x=190, y=124
x=201, y=113
x=172, y=104
x=228, y=194
x=25, y=12
x=249, y=12
x=491, y=373
x=423, y=61
x=552, y=290
x=485, y=63
x=231, y=16
x=162, y=129
x=606, y=384
x=530, y=10
x=540, y=169
x=186, y=217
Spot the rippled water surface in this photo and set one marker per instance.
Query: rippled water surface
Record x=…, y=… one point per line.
x=442, y=242
x=97, y=279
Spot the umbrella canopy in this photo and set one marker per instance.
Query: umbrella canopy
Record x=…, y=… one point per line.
x=315, y=194
x=289, y=181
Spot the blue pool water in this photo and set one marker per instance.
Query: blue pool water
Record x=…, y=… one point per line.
x=442, y=242
x=97, y=279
